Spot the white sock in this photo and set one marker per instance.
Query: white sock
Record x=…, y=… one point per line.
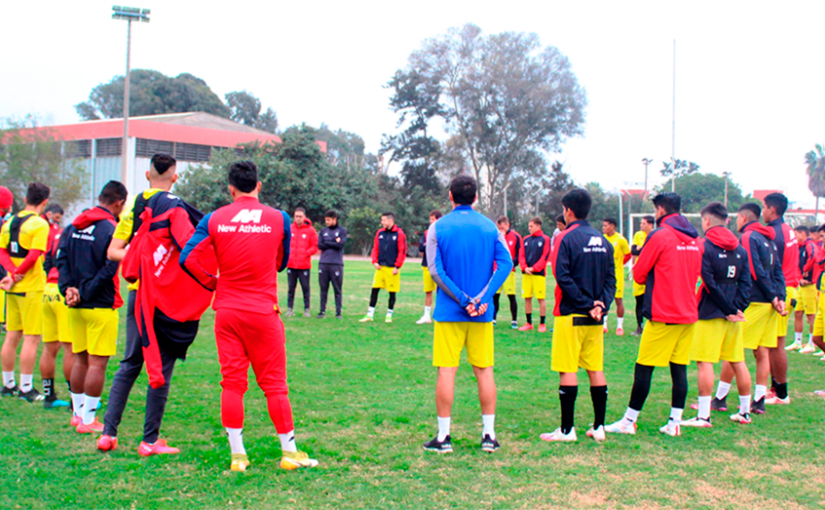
x=443, y=428
x=798, y=337
x=631, y=415
x=489, y=423
x=605, y=321
x=704, y=407
x=78, y=399
x=236, y=441
x=761, y=389
x=89, y=409
x=427, y=310
x=620, y=323
x=8, y=379
x=744, y=404
x=370, y=311
x=722, y=390
x=288, y=442
x=26, y=382
x=811, y=339
x=676, y=415
x=389, y=313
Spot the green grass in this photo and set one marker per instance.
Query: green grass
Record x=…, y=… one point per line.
x=363, y=398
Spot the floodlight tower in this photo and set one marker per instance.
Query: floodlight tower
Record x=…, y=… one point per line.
x=129, y=14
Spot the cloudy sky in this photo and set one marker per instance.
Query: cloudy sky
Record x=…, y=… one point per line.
x=748, y=74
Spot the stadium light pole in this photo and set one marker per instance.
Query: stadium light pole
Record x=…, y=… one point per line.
x=646, y=162
x=129, y=14
x=726, y=175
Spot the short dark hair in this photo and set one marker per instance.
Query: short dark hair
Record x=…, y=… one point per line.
x=37, y=193
x=388, y=215
x=54, y=208
x=803, y=229
x=502, y=220
x=669, y=201
x=163, y=162
x=112, y=192
x=535, y=220
x=243, y=175
x=612, y=221
x=436, y=214
x=715, y=209
x=579, y=202
x=778, y=201
x=331, y=214
x=649, y=218
x=560, y=219
x=301, y=209
x=464, y=188
x=752, y=208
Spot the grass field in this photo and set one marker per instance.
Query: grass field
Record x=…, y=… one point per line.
x=363, y=398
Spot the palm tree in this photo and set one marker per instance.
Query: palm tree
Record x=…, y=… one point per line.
x=816, y=174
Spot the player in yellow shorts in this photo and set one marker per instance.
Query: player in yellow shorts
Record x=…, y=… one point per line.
x=585, y=285
x=516, y=246
x=621, y=256
x=91, y=286
x=806, y=303
x=429, y=284
x=6, y=202
x=639, y=238
x=533, y=260
x=23, y=240
x=388, y=254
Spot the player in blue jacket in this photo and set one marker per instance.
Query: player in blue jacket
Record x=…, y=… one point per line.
x=462, y=248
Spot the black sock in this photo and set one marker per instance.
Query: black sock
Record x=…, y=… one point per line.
x=513, y=308
x=781, y=390
x=496, y=304
x=598, y=394
x=678, y=373
x=69, y=386
x=391, y=305
x=374, y=297
x=542, y=319
x=773, y=383
x=48, y=388
x=641, y=386
x=567, y=396
x=639, y=310
x=529, y=318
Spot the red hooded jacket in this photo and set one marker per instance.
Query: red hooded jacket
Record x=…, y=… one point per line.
x=302, y=246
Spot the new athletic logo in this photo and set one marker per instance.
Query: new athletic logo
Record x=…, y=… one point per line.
x=85, y=234
x=161, y=257
x=595, y=241
x=594, y=245
x=159, y=253
x=246, y=216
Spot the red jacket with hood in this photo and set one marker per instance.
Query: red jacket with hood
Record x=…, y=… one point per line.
x=302, y=246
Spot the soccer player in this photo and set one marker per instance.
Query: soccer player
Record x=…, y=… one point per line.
x=388, y=254
x=533, y=260
x=429, y=284
x=331, y=241
x=23, y=240
x=787, y=249
x=724, y=294
x=621, y=254
x=560, y=226
x=463, y=247
x=91, y=286
x=807, y=294
x=514, y=244
x=56, y=333
x=669, y=266
x=766, y=303
x=252, y=244
x=639, y=238
x=302, y=247
x=585, y=285
x=156, y=317
x=6, y=201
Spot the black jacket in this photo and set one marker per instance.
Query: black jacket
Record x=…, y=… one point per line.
x=332, y=251
x=764, y=263
x=726, y=277
x=584, y=269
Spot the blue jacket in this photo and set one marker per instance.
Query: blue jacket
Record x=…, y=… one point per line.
x=462, y=248
x=332, y=251
x=82, y=262
x=726, y=278
x=764, y=263
x=584, y=269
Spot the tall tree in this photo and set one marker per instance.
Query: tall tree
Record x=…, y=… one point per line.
x=698, y=189
x=816, y=174
x=152, y=93
x=245, y=108
x=503, y=95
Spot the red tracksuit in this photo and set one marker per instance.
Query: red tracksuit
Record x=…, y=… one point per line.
x=251, y=242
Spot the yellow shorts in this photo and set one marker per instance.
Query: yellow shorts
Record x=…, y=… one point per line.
x=663, y=344
x=429, y=283
x=94, y=330
x=619, y=284
x=782, y=322
x=638, y=290
x=509, y=286
x=717, y=339
x=55, y=316
x=760, y=326
x=384, y=279
x=532, y=284
x=577, y=342
x=807, y=299
x=451, y=337
x=2, y=306
x=24, y=312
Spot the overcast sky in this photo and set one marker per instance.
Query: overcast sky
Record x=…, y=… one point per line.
x=748, y=74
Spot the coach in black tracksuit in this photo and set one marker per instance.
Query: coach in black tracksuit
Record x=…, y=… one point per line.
x=331, y=242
